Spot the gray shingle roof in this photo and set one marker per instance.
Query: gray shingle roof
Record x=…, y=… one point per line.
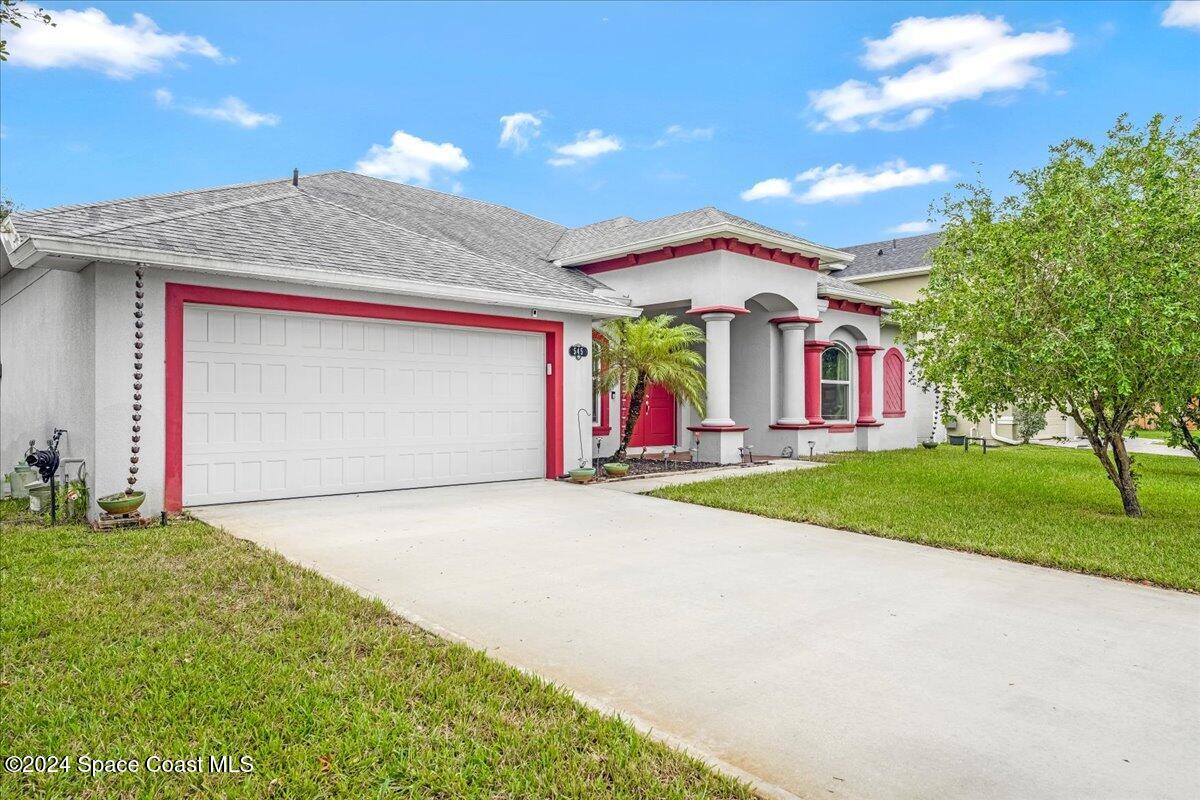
x=828, y=283
x=335, y=222
x=890, y=255
x=625, y=232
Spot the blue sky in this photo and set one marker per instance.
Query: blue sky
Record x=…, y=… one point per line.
x=835, y=121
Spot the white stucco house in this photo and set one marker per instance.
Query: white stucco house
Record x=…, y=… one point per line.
x=338, y=333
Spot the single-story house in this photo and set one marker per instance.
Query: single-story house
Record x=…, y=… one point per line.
x=900, y=268
x=337, y=333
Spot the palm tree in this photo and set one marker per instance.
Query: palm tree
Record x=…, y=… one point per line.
x=635, y=353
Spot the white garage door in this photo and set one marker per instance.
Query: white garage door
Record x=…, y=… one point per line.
x=287, y=405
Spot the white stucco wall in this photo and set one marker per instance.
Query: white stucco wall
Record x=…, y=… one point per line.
x=113, y=337
x=46, y=320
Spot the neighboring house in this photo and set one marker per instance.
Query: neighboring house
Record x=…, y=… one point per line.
x=900, y=269
x=339, y=333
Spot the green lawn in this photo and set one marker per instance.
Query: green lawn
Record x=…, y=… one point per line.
x=184, y=642
x=1043, y=505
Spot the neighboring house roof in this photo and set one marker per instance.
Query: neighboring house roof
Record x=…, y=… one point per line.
x=334, y=223
x=625, y=235
x=910, y=253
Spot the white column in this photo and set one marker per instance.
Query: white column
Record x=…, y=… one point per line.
x=716, y=369
x=793, y=373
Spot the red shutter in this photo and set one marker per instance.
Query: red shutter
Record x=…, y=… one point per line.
x=893, y=383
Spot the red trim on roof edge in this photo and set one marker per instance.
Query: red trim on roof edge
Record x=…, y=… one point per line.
x=731, y=244
x=178, y=294
x=718, y=310
x=785, y=320
x=836, y=304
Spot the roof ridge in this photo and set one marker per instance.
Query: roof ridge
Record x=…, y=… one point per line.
x=191, y=212
x=452, y=245
x=179, y=193
x=446, y=194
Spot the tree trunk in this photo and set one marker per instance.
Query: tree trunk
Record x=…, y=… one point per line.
x=1126, y=483
x=1186, y=437
x=1119, y=466
x=635, y=411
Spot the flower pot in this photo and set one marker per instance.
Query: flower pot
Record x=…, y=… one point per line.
x=39, y=496
x=616, y=470
x=21, y=475
x=583, y=475
x=121, y=503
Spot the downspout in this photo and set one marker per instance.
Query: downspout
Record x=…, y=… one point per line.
x=998, y=437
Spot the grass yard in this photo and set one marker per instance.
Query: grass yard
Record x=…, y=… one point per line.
x=185, y=642
x=1042, y=505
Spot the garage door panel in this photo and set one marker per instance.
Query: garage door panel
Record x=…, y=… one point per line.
x=284, y=405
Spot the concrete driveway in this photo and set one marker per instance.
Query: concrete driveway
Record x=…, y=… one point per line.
x=827, y=663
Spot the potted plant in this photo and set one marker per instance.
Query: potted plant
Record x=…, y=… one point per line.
x=616, y=469
x=130, y=500
x=582, y=474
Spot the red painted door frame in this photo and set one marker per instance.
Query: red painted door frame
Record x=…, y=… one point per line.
x=178, y=294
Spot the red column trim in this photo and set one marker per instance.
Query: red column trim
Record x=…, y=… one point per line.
x=718, y=310
x=812, y=380
x=866, y=384
x=893, y=383
x=177, y=295
x=785, y=320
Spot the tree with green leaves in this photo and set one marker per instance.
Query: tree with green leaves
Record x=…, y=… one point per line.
x=636, y=353
x=1078, y=293
x=14, y=12
x=1181, y=420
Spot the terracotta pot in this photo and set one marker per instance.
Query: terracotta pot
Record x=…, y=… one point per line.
x=121, y=503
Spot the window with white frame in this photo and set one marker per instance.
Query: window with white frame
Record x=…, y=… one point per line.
x=835, y=383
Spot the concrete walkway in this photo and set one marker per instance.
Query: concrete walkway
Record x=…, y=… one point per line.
x=828, y=663
x=1135, y=445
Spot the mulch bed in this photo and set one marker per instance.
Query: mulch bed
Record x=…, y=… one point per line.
x=652, y=466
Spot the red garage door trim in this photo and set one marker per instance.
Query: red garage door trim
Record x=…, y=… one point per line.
x=178, y=294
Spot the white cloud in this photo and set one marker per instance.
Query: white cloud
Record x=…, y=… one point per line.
x=90, y=40
x=678, y=133
x=960, y=58
x=517, y=129
x=409, y=158
x=587, y=145
x=231, y=109
x=916, y=226
x=839, y=182
x=771, y=187
x=1182, y=14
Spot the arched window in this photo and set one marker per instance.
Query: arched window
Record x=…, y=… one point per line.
x=835, y=384
x=893, y=383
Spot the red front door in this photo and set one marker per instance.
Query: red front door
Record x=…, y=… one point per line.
x=656, y=425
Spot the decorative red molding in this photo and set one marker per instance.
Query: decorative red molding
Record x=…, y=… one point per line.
x=785, y=320
x=605, y=427
x=731, y=244
x=866, y=384
x=836, y=304
x=868, y=424
x=781, y=426
x=718, y=310
x=717, y=428
x=812, y=380
x=178, y=294
x=841, y=428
